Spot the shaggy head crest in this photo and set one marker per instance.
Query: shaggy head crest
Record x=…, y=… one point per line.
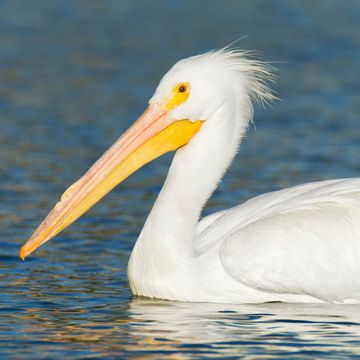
x=256, y=74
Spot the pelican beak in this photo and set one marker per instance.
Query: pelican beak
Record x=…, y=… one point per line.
x=151, y=136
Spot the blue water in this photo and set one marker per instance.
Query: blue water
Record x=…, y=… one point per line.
x=73, y=76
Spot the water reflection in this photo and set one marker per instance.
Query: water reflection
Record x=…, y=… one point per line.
x=153, y=328
x=266, y=324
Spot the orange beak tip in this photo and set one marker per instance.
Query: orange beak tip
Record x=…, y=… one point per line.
x=22, y=253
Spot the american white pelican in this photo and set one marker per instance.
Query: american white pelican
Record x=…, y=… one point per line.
x=300, y=244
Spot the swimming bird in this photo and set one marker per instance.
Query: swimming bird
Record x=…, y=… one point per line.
x=300, y=244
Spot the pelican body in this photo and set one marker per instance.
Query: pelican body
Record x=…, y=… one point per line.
x=300, y=244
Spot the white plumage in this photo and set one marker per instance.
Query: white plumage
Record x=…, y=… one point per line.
x=300, y=244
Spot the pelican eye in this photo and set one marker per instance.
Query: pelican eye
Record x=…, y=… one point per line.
x=182, y=88
x=179, y=95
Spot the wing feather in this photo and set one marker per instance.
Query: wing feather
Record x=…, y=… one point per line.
x=302, y=240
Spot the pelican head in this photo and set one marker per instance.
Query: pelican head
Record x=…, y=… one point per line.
x=185, y=101
x=196, y=87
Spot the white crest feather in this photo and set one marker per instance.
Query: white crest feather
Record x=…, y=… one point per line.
x=257, y=73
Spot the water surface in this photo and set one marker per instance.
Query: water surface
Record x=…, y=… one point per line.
x=73, y=76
